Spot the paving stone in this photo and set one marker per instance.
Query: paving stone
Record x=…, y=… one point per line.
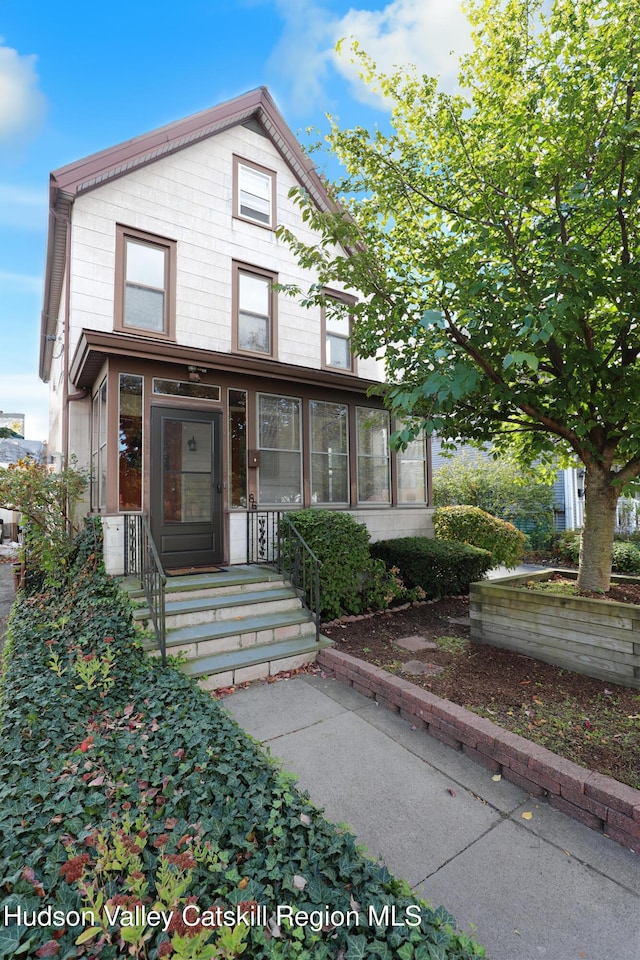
x=420, y=668
x=415, y=643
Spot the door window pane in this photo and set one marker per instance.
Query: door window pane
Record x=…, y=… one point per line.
x=329, y=452
x=187, y=487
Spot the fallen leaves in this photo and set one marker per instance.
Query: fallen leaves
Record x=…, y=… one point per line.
x=527, y=815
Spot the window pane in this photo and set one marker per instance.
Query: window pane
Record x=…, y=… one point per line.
x=338, y=352
x=255, y=194
x=144, y=308
x=145, y=265
x=186, y=388
x=186, y=460
x=253, y=333
x=238, y=447
x=279, y=441
x=279, y=477
x=329, y=478
x=279, y=426
x=328, y=427
x=130, y=443
x=339, y=323
x=254, y=294
x=373, y=455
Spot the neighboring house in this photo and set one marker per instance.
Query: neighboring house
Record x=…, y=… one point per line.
x=193, y=388
x=568, y=487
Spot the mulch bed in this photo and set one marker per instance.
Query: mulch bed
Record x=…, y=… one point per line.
x=592, y=722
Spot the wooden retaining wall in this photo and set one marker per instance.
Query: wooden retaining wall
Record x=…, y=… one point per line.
x=600, y=638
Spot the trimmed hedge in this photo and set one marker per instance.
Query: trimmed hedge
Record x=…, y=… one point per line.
x=479, y=529
x=439, y=568
x=124, y=785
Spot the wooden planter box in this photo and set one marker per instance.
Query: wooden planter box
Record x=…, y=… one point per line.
x=600, y=638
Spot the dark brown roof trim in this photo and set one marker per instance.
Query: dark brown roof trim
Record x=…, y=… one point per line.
x=96, y=346
x=91, y=172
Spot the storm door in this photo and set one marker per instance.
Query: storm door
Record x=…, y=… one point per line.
x=186, y=487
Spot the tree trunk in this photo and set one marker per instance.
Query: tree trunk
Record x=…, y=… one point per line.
x=601, y=499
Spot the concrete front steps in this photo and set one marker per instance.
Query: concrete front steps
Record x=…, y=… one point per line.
x=243, y=623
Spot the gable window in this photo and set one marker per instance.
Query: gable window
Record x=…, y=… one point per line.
x=254, y=310
x=254, y=189
x=336, y=333
x=145, y=283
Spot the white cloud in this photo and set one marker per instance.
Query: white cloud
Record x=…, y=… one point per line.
x=303, y=53
x=22, y=104
x=26, y=393
x=431, y=34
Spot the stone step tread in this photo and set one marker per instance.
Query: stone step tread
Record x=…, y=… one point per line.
x=215, y=629
x=248, y=656
x=231, y=576
x=200, y=604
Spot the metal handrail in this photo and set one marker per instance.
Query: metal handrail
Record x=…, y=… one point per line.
x=141, y=558
x=273, y=538
x=301, y=567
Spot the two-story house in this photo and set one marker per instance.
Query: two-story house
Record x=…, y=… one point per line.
x=193, y=389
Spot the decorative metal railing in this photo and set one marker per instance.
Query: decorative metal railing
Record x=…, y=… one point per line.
x=141, y=559
x=273, y=538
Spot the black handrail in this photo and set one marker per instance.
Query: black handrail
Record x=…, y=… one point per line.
x=301, y=567
x=273, y=538
x=141, y=558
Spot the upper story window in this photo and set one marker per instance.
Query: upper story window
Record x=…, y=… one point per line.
x=145, y=283
x=254, y=193
x=254, y=309
x=336, y=335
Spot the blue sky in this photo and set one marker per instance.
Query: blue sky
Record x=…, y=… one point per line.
x=78, y=77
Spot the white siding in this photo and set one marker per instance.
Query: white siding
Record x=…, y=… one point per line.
x=188, y=197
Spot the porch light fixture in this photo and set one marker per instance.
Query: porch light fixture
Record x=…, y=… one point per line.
x=194, y=373
x=192, y=444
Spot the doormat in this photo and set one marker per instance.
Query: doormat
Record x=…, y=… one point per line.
x=187, y=571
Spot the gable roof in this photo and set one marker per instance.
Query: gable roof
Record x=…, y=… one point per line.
x=66, y=183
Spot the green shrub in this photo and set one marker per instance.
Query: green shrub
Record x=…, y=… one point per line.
x=525, y=498
x=131, y=786
x=625, y=554
x=625, y=557
x=479, y=529
x=350, y=580
x=439, y=568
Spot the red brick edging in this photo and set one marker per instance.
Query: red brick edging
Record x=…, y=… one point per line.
x=600, y=802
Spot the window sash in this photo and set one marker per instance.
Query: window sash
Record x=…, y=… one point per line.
x=411, y=466
x=373, y=456
x=280, y=443
x=329, y=440
x=255, y=193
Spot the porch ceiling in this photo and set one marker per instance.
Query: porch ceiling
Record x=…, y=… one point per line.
x=96, y=346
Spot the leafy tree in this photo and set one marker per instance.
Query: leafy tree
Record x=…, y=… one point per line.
x=493, y=234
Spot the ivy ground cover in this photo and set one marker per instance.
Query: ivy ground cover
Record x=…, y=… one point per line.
x=137, y=819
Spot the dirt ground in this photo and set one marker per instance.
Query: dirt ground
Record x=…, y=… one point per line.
x=592, y=722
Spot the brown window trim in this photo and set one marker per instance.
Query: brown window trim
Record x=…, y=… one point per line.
x=123, y=233
x=345, y=298
x=238, y=268
x=237, y=161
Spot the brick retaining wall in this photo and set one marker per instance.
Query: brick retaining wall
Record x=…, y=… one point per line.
x=600, y=802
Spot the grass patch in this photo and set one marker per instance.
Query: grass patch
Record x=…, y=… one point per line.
x=125, y=789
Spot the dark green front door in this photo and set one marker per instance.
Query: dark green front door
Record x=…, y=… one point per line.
x=186, y=486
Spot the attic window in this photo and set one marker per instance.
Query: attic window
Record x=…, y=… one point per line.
x=254, y=190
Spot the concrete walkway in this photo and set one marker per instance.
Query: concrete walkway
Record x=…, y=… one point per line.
x=527, y=888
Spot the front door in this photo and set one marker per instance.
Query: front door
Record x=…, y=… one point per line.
x=186, y=487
